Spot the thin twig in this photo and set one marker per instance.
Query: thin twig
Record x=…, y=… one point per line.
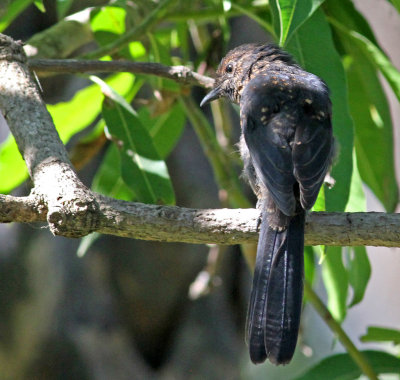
x=180, y=74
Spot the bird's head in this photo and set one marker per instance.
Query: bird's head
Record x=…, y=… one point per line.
x=240, y=65
x=229, y=73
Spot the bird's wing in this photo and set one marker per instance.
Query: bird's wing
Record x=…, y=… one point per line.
x=287, y=129
x=312, y=150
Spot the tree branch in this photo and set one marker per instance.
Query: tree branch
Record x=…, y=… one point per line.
x=220, y=226
x=69, y=203
x=180, y=74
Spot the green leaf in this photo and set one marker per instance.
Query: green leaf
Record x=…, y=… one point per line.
x=292, y=14
x=73, y=116
x=86, y=242
x=396, y=4
x=370, y=112
x=108, y=24
x=342, y=366
x=12, y=167
x=319, y=250
x=373, y=124
x=108, y=19
x=359, y=268
x=69, y=118
x=108, y=180
x=345, y=12
x=357, y=201
x=165, y=129
x=336, y=282
x=39, y=5
x=14, y=8
x=275, y=16
x=375, y=55
x=136, y=50
x=161, y=52
x=313, y=47
x=141, y=167
x=381, y=334
x=63, y=7
x=309, y=264
x=359, y=274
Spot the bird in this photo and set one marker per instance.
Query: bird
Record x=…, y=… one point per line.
x=287, y=148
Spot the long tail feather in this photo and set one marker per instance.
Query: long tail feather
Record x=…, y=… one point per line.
x=276, y=297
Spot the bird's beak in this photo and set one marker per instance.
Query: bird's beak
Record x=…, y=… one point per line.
x=215, y=93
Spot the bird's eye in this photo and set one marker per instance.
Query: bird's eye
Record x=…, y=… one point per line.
x=229, y=68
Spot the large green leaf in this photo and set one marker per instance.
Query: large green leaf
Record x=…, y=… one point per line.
x=313, y=48
x=164, y=129
x=374, y=134
x=336, y=282
x=309, y=264
x=375, y=55
x=161, y=52
x=359, y=274
x=348, y=21
x=368, y=105
x=335, y=275
x=342, y=366
x=141, y=166
x=107, y=23
x=347, y=14
x=396, y=4
x=69, y=118
x=291, y=15
x=76, y=114
x=359, y=268
x=12, y=167
x=357, y=201
x=63, y=7
x=109, y=18
x=381, y=334
x=108, y=180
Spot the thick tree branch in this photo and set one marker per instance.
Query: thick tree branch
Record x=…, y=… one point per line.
x=221, y=226
x=69, y=203
x=73, y=210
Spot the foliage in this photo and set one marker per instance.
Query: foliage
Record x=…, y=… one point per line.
x=329, y=38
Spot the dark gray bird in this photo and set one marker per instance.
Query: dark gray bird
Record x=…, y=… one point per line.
x=287, y=147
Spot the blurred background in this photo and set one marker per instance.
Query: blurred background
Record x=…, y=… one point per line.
x=123, y=310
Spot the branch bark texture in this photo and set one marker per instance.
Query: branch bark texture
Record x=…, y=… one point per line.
x=180, y=74
x=69, y=203
x=204, y=226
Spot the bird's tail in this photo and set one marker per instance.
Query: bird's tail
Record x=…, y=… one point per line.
x=276, y=297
